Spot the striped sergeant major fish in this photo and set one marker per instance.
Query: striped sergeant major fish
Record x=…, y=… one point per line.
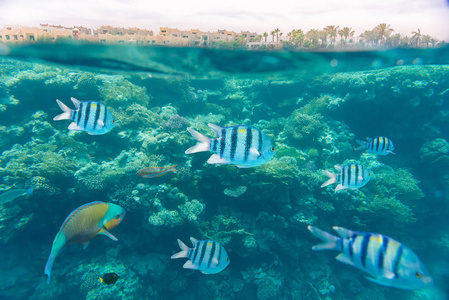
x=380, y=145
x=89, y=116
x=351, y=176
x=387, y=261
x=241, y=145
x=208, y=256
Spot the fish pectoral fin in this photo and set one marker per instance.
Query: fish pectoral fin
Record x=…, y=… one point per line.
x=85, y=245
x=216, y=159
x=74, y=126
x=360, y=178
x=389, y=275
x=344, y=259
x=215, y=260
x=100, y=122
x=254, y=152
x=190, y=265
x=108, y=234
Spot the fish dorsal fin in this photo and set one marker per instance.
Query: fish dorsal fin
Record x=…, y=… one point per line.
x=216, y=129
x=343, y=232
x=76, y=102
x=338, y=167
x=108, y=234
x=194, y=241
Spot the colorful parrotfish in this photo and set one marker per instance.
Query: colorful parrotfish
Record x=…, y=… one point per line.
x=83, y=224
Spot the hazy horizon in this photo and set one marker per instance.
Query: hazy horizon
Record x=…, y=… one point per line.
x=432, y=16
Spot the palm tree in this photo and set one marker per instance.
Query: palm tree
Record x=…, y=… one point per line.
x=265, y=35
x=346, y=33
x=277, y=31
x=371, y=37
x=434, y=41
x=416, y=38
x=313, y=35
x=297, y=37
x=323, y=37
x=273, y=34
x=331, y=30
x=426, y=40
x=383, y=31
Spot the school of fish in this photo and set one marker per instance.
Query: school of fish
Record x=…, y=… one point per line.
x=387, y=261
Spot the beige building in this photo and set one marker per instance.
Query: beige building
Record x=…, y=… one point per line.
x=23, y=34
x=118, y=35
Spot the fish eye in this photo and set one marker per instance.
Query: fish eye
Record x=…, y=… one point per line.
x=227, y=259
x=113, y=121
x=418, y=275
x=117, y=216
x=272, y=149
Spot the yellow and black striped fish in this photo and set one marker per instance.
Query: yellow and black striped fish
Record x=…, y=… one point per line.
x=241, y=145
x=389, y=262
x=89, y=116
x=380, y=145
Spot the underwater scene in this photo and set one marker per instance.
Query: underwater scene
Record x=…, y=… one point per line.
x=194, y=173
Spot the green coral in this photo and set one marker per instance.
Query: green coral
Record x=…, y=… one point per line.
x=302, y=128
x=117, y=90
x=435, y=153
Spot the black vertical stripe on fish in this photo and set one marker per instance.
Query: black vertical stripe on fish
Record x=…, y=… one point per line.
x=260, y=144
x=212, y=252
x=203, y=252
x=196, y=250
x=87, y=114
x=248, y=143
x=222, y=142
x=72, y=114
x=388, y=144
x=356, y=174
x=234, y=142
x=364, y=250
x=384, y=144
x=189, y=253
x=350, y=246
x=214, y=145
x=380, y=259
x=377, y=145
x=342, y=182
x=396, y=260
x=80, y=112
x=97, y=115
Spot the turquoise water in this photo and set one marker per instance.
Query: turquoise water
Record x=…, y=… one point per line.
x=312, y=105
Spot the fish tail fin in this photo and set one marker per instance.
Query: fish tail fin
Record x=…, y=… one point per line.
x=330, y=242
x=173, y=168
x=332, y=178
x=184, y=250
x=30, y=190
x=101, y=279
x=363, y=145
x=66, y=112
x=203, y=145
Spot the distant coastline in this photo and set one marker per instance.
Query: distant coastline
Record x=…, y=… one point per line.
x=330, y=37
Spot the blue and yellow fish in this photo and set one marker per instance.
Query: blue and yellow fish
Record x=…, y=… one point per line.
x=89, y=116
x=83, y=224
x=389, y=262
x=379, y=145
x=241, y=145
x=208, y=256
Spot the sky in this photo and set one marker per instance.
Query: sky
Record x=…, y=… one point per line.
x=431, y=16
